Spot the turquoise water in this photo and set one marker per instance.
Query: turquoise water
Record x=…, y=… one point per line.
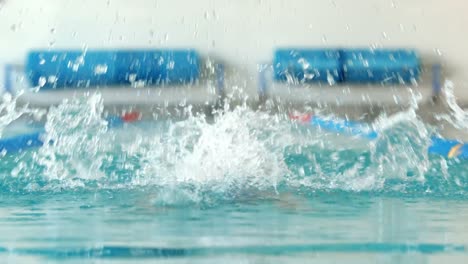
x=245, y=187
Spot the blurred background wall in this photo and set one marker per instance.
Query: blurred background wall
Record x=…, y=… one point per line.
x=240, y=32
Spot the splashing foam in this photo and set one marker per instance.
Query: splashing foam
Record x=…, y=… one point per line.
x=10, y=112
x=397, y=161
x=457, y=116
x=240, y=152
x=75, y=141
x=235, y=154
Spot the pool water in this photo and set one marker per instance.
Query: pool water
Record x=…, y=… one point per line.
x=130, y=225
x=246, y=187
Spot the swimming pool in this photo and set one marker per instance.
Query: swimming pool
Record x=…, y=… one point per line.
x=245, y=186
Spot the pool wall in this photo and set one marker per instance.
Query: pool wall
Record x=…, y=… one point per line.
x=240, y=33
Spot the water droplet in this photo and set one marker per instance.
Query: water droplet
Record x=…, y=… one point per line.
x=100, y=69
x=384, y=35
x=7, y=97
x=42, y=61
x=51, y=43
x=74, y=34
x=170, y=65
x=13, y=27
x=76, y=64
x=166, y=37
x=132, y=77
x=80, y=60
x=330, y=79
x=348, y=27
x=309, y=76
x=207, y=15
x=139, y=84
x=35, y=89
x=75, y=67
x=52, y=79
x=324, y=39
x=52, y=30
x=402, y=28
x=393, y=4
x=304, y=63
x=42, y=81
x=438, y=52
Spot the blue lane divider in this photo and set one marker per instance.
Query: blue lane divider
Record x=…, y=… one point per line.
x=448, y=148
x=74, y=68
x=21, y=142
x=379, y=66
x=440, y=146
x=35, y=139
x=349, y=127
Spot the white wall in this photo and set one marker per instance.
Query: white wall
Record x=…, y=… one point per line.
x=241, y=32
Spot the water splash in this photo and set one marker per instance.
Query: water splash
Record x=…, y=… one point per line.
x=228, y=157
x=74, y=140
x=456, y=116
x=10, y=111
x=240, y=153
